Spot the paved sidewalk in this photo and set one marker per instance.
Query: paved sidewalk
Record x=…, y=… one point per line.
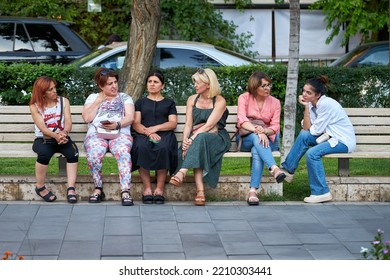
x=181, y=231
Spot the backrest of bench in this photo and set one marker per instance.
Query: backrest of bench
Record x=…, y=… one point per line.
x=372, y=127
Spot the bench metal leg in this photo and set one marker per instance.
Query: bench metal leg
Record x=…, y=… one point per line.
x=62, y=166
x=343, y=167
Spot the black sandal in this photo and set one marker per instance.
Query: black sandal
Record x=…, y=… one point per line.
x=147, y=199
x=126, y=200
x=97, y=198
x=46, y=197
x=72, y=198
x=159, y=199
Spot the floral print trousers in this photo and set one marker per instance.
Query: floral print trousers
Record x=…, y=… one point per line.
x=120, y=147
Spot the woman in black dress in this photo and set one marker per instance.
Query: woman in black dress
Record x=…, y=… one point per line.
x=155, y=144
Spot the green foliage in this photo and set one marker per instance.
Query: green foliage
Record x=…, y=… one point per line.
x=202, y=22
x=361, y=87
x=354, y=16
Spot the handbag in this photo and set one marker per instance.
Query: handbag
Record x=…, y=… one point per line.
x=51, y=140
x=244, y=132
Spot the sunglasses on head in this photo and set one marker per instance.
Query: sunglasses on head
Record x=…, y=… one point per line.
x=106, y=72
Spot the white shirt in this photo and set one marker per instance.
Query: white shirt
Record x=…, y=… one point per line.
x=328, y=116
x=109, y=110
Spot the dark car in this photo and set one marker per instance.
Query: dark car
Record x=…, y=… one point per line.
x=370, y=54
x=37, y=40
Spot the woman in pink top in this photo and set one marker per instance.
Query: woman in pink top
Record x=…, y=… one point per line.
x=258, y=104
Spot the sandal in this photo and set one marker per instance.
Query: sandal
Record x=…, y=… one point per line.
x=49, y=197
x=147, y=199
x=176, y=180
x=158, y=196
x=127, y=200
x=252, y=198
x=72, y=198
x=278, y=174
x=97, y=197
x=200, y=200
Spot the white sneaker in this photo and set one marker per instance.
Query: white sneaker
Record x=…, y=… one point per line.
x=289, y=177
x=318, y=198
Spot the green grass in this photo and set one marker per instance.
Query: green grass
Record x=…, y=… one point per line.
x=294, y=191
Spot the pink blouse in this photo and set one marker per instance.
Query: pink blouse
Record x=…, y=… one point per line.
x=270, y=114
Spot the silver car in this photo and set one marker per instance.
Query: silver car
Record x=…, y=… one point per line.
x=168, y=54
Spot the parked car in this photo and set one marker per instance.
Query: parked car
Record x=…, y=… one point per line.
x=38, y=40
x=168, y=54
x=370, y=54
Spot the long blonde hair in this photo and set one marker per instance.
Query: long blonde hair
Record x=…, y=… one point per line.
x=208, y=76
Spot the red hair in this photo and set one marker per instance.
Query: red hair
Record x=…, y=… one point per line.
x=41, y=85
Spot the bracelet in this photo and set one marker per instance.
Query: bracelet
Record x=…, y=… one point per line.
x=192, y=139
x=118, y=125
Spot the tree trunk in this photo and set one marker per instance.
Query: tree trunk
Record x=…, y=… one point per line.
x=290, y=102
x=144, y=31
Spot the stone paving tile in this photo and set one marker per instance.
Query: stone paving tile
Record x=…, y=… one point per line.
x=122, y=226
x=81, y=250
x=197, y=228
x=191, y=214
x=9, y=235
x=225, y=212
x=288, y=253
x=383, y=210
x=122, y=246
x=159, y=226
x=87, y=213
x=249, y=257
x=307, y=227
x=359, y=211
x=115, y=211
x=244, y=248
x=294, y=214
x=163, y=248
x=275, y=225
x=84, y=231
x=203, y=247
x=157, y=213
x=155, y=238
x=35, y=247
x=19, y=212
x=329, y=252
x=316, y=238
x=164, y=256
x=351, y=234
x=278, y=238
x=55, y=211
x=46, y=232
x=221, y=225
x=2, y=207
x=241, y=236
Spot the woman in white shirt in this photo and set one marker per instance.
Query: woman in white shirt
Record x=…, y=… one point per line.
x=327, y=129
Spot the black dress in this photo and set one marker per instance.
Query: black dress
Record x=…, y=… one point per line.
x=146, y=154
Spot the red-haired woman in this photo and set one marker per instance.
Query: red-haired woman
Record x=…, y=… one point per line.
x=53, y=122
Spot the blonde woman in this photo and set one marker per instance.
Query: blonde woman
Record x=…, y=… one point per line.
x=205, y=139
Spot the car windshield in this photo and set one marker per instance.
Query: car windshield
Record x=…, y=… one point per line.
x=88, y=57
x=250, y=60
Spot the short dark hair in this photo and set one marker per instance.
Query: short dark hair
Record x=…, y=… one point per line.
x=102, y=74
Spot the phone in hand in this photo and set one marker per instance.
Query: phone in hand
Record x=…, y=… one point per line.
x=106, y=122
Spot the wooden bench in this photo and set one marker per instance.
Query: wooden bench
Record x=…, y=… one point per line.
x=372, y=127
